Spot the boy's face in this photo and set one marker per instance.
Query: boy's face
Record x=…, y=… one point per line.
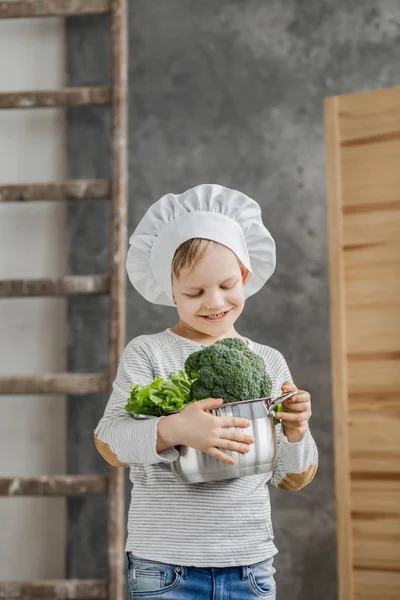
x=210, y=298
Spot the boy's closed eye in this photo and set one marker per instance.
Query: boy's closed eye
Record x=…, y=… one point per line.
x=223, y=287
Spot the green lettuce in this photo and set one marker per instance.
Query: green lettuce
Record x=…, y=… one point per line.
x=162, y=396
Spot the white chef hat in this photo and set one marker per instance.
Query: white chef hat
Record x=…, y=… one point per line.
x=206, y=211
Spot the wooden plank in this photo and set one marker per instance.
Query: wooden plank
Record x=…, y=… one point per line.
x=68, y=97
x=370, y=374
x=80, y=189
x=373, y=332
x=51, y=8
x=55, y=485
x=374, y=404
x=118, y=248
x=62, y=383
x=375, y=497
x=374, y=446
x=363, y=121
x=376, y=585
x=339, y=349
x=374, y=422
x=69, y=589
x=357, y=233
x=373, y=288
x=369, y=176
x=359, y=291
x=71, y=285
x=370, y=156
x=376, y=541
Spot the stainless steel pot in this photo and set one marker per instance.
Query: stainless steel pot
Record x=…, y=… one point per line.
x=194, y=466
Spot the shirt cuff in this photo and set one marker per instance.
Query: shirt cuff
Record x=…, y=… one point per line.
x=303, y=440
x=166, y=456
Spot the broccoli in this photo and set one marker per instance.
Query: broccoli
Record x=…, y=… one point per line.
x=228, y=370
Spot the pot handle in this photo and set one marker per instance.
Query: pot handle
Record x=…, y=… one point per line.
x=270, y=403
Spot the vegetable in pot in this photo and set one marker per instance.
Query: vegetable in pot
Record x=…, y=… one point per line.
x=162, y=396
x=228, y=369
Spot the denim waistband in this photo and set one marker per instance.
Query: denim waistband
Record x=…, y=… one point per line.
x=244, y=570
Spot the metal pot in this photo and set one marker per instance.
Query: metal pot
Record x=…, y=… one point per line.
x=194, y=466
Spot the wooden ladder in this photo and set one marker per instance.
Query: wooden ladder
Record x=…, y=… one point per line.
x=113, y=284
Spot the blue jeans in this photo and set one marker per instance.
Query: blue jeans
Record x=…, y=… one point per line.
x=148, y=579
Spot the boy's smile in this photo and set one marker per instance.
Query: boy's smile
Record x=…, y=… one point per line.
x=216, y=317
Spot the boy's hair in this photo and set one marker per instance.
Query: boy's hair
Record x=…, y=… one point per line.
x=189, y=254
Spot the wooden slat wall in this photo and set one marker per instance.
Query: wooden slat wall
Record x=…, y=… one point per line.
x=363, y=185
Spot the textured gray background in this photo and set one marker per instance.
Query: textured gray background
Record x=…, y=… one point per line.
x=228, y=92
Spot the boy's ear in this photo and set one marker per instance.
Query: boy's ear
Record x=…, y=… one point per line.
x=245, y=274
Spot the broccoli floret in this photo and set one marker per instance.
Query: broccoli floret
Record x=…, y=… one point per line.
x=228, y=370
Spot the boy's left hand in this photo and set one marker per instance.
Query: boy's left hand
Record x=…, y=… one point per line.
x=297, y=413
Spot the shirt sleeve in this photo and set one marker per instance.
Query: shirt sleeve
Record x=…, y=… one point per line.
x=297, y=462
x=121, y=439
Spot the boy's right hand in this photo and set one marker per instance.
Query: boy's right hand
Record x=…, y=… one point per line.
x=203, y=431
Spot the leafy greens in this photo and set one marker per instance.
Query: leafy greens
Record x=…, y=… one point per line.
x=162, y=396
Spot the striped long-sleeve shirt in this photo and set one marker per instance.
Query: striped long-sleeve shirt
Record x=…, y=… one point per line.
x=219, y=524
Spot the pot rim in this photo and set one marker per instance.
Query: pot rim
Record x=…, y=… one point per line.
x=270, y=399
x=267, y=401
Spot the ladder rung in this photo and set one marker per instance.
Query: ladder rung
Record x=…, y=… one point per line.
x=62, y=383
x=68, y=589
x=73, y=189
x=78, y=96
x=52, y=8
x=72, y=285
x=55, y=485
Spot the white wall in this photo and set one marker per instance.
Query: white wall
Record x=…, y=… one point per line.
x=32, y=330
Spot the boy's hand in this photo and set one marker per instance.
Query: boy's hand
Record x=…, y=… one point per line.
x=209, y=433
x=297, y=413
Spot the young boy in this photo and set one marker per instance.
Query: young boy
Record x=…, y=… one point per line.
x=203, y=251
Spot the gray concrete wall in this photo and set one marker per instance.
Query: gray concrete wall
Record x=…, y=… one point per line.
x=229, y=92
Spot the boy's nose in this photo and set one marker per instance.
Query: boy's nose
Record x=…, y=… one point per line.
x=214, y=302
x=214, y=309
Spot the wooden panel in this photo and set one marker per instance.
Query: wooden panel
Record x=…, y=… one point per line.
x=376, y=585
x=368, y=175
x=373, y=374
x=77, y=189
x=376, y=524
x=374, y=331
x=339, y=348
x=358, y=234
x=50, y=98
x=61, y=383
x=118, y=243
x=71, y=589
x=72, y=285
x=369, y=117
x=51, y=8
x=374, y=443
x=377, y=542
x=370, y=150
x=364, y=244
x=55, y=485
x=375, y=497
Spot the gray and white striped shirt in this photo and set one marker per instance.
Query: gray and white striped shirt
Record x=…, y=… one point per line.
x=220, y=524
